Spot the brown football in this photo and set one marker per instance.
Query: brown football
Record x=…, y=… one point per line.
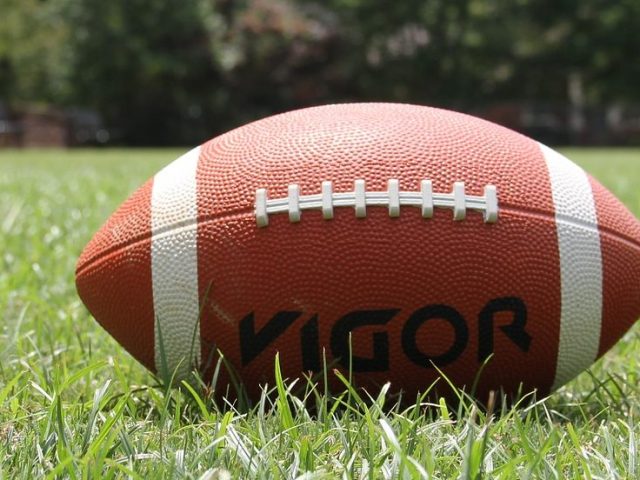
x=409, y=237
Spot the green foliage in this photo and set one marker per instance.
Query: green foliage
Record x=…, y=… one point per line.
x=74, y=404
x=34, y=51
x=145, y=65
x=181, y=70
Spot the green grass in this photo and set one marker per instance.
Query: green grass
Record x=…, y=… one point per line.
x=74, y=404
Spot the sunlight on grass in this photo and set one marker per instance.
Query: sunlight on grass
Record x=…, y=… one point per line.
x=74, y=404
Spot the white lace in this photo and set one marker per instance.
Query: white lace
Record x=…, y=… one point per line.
x=359, y=199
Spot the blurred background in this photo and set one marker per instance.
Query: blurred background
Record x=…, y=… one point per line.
x=177, y=72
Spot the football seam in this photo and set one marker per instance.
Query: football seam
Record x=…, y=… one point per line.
x=250, y=211
x=393, y=198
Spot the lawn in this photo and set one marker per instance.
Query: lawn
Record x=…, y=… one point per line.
x=74, y=404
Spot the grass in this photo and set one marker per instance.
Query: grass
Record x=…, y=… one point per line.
x=74, y=404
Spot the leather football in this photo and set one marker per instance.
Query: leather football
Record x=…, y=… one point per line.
x=396, y=241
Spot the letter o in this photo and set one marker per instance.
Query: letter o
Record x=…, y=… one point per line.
x=419, y=318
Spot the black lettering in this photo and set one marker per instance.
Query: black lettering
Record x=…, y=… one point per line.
x=340, y=340
x=252, y=343
x=309, y=342
x=515, y=330
x=419, y=318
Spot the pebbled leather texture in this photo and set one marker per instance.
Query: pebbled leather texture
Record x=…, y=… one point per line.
x=322, y=270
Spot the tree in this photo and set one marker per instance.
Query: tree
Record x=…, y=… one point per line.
x=34, y=52
x=146, y=66
x=179, y=71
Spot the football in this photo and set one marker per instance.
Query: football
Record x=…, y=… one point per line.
x=397, y=242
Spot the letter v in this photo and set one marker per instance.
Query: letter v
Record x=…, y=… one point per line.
x=252, y=343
